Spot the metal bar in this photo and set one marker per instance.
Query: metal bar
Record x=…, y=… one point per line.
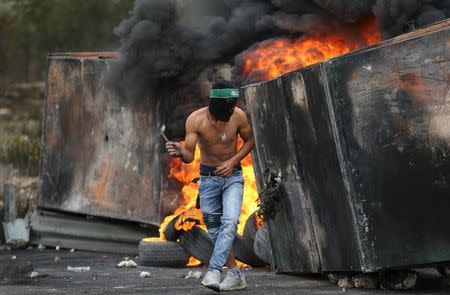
x=10, y=202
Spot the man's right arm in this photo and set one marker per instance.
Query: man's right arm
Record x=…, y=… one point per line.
x=188, y=152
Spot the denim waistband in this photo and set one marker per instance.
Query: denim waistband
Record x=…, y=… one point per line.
x=205, y=169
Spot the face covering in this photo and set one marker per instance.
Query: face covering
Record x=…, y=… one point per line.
x=222, y=109
x=222, y=103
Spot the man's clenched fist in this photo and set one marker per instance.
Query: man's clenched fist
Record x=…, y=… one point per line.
x=173, y=148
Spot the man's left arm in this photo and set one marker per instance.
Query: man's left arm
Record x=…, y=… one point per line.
x=246, y=133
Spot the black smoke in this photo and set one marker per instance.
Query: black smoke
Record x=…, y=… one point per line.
x=167, y=43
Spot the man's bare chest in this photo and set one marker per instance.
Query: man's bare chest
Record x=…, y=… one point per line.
x=222, y=134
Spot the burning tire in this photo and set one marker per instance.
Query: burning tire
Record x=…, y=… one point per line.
x=261, y=245
x=170, y=232
x=243, y=245
x=243, y=251
x=197, y=243
x=162, y=253
x=250, y=227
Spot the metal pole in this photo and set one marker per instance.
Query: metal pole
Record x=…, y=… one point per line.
x=10, y=202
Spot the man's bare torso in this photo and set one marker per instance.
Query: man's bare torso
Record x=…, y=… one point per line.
x=213, y=149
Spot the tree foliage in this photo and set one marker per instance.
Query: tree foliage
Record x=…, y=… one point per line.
x=38, y=27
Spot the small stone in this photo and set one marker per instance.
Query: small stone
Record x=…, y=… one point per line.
x=127, y=263
x=345, y=283
x=334, y=277
x=145, y=274
x=366, y=281
x=41, y=247
x=13, y=257
x=34, y=274
x=57, y=248
x=193, y=274
x=57, y=259
x=72, y=250
x=131, y=263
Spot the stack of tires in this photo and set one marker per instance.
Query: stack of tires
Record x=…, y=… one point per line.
x=251, y=248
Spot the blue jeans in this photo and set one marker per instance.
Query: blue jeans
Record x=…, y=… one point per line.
x=220, y=202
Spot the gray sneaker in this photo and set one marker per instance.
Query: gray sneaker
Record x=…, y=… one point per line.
x=212, y=280
x=234, y=280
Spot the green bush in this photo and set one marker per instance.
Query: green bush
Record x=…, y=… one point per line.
x=22, y=153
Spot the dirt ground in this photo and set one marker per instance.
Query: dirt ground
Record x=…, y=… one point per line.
x=105, y=278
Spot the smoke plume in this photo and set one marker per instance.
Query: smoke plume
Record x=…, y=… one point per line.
x=167, y=43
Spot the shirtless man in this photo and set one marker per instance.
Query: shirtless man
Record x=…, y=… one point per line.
x=216, y=130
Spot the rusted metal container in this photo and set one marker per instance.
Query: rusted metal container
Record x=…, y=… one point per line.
x=363, y=141
x=101, y=156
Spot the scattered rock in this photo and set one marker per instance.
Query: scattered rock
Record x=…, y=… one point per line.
x=34, y=274
x=127, y=263
x=57, y=259
x=13, y=257
x=72, y=250
x=193, y=274
x=57, y=248
x=345, y=283
x=17, y=244
x=41, y=247
x=398, y=279
x=334, y=277
x=145, y=274
x=366, y=280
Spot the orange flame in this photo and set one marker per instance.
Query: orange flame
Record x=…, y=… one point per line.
x=189, y=215
x=274, y=57
x=184, y=173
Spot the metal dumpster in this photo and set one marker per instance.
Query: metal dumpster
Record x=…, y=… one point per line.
x=101, y=155
x=363, y=141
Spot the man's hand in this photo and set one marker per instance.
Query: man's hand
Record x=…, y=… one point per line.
x=225, y=169
x=174, y=149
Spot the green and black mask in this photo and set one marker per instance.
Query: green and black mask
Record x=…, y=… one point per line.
x=222, y=103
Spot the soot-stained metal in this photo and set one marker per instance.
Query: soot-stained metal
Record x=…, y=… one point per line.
x=363, y=142
x=101, y=155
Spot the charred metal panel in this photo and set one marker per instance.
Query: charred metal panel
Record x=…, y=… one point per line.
x=318, y=165
x=100, y=155
x=367, y=136
x=392, y=113
x=291, y=237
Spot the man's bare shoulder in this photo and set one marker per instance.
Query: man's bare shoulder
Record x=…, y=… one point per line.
x=195, y=118
x=240, y=115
